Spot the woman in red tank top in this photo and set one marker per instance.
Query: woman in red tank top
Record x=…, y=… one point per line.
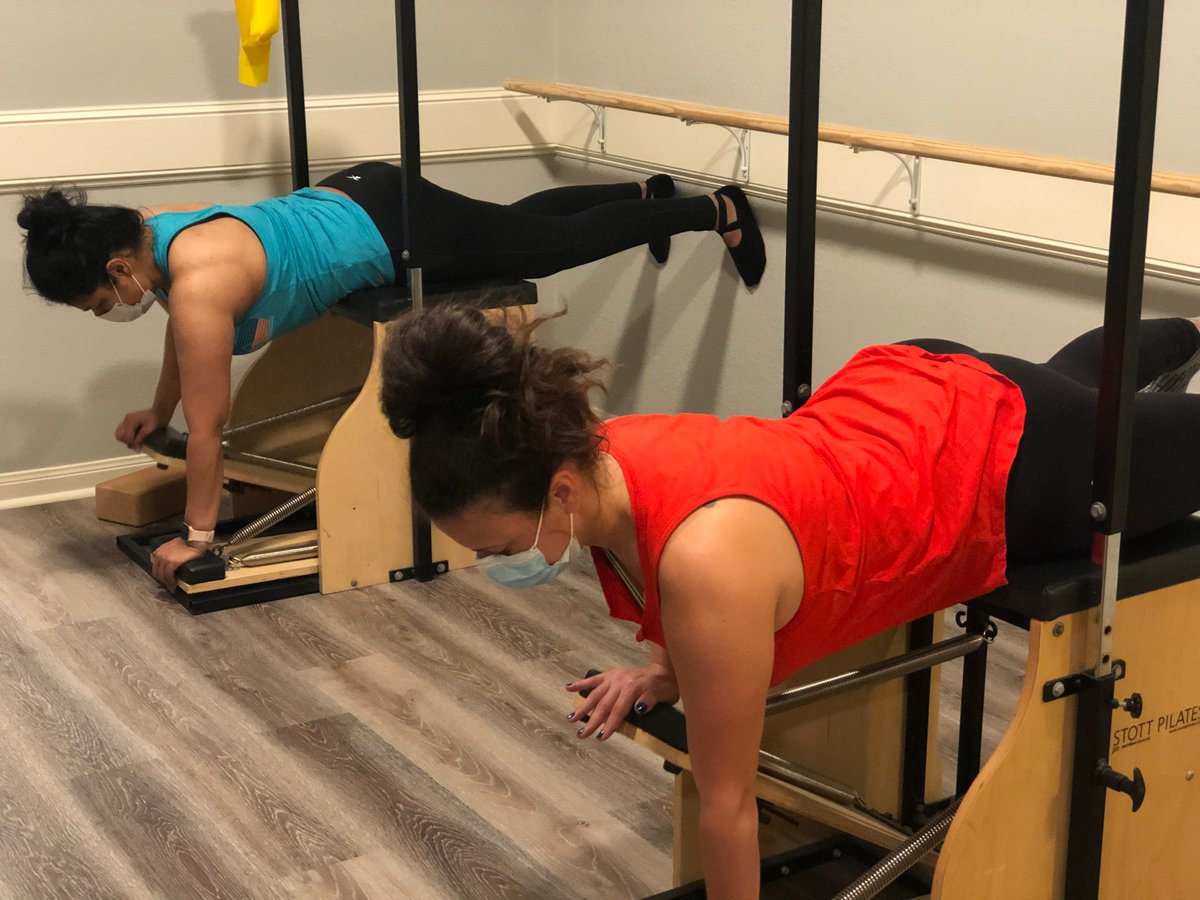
x=748, y=547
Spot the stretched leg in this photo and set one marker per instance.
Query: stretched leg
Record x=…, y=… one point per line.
x=1050, y=486
x=466, y=239
x=1164, y=345
x=486, y=240
x=566, y=201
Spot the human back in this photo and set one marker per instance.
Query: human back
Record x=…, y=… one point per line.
x=305, y=251
x=891, y=480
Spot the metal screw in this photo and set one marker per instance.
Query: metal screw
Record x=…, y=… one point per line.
x=353, y=582
x=802, y=392
x=1190, y=775
x=1099, y=511
x=441, y=567
x=787, y=408
x=784, y=870
x=837, y=854
x=1118, y=670
x=1058, y=689
x=1059, y=628
x=404, y=255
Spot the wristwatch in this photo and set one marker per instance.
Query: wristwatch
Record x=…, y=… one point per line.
x=189, y=534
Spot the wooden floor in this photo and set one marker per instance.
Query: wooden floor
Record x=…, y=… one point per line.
x=396, y=742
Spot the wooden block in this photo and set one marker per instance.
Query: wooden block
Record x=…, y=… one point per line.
x=142, y=497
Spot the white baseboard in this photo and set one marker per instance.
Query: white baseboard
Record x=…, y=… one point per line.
x=34, y=487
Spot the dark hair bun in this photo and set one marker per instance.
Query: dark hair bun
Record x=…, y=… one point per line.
x=448, y=362
x=50, y=217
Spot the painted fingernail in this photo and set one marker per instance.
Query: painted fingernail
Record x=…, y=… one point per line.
x=600, y=734
x=579, y=733
x=640, y=708
x=571, y=717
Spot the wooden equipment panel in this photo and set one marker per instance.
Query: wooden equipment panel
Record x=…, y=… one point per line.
x=364, y=503
x=325, y=358
x=1009, y=837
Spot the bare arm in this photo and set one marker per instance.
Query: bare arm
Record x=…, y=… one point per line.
x=204, y=341
x=720, y=578
x=167, y=395
x=659, y=657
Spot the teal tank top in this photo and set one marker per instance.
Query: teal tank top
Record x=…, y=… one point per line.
x=320, y=246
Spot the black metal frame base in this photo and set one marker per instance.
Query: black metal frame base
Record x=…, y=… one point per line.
x=139, y=545
x=794, y=864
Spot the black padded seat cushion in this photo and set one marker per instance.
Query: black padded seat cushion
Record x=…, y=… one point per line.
x=1049, y=590
x=389, y=301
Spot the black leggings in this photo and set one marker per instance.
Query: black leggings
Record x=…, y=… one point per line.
x=1049, y=488
x=473, y=240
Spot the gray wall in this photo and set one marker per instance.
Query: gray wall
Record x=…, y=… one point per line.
x=67, y=379
x=1035, y=75
x=73, y=53
x=1025, y=74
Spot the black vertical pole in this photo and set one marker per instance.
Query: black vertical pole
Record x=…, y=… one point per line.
x=798, y=286
x=410, y=201
x=917, y=689
x=410, y=131
x=293, y=68
x=1114, y=423
x=971, y=705
x=1127, y=259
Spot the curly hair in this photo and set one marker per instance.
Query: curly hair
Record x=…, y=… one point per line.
x=490, y=414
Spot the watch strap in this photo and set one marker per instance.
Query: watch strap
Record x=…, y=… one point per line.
x=191, y=534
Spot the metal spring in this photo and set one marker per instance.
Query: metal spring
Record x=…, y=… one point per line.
x=902, y=858
x=265, y=521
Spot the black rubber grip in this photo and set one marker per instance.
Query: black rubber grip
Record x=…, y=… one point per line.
x=664, y=721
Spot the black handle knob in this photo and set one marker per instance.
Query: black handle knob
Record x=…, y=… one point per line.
x=1115, y=781
x=1132, y=705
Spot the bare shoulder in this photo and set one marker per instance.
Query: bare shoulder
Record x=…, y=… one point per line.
x=733, y=541
x=152, y=211
x=206, y=286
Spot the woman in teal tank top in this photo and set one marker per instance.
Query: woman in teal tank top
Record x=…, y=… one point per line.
x=233, y=278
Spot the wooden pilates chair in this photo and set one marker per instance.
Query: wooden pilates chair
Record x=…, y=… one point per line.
x=1004, y=835
x=306, y=432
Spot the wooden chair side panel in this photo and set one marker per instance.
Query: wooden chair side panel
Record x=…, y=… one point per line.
x=1006, y=836
x=1010, y=836
x=364, y=501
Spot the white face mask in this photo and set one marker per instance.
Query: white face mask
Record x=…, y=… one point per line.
x=529, y=567
x=124, y=312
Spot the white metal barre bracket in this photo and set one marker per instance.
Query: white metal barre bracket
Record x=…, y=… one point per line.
x=599, y=117
x=742, y=137
x=912, y=166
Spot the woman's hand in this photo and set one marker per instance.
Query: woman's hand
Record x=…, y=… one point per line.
x=137, y=426
x=614, y=693
x=169, y=557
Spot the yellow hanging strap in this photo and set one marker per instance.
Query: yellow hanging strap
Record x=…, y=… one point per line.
x=258, y=20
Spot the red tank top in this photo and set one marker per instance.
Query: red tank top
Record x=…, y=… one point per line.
x=892, y=479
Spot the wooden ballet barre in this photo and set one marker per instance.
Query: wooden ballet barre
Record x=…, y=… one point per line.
x=1185, y=185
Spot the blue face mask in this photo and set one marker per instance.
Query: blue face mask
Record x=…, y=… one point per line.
x=529, y=567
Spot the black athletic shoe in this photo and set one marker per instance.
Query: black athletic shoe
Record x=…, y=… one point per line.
x=750, y=255
x=1177, y=380
x=660, y=187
